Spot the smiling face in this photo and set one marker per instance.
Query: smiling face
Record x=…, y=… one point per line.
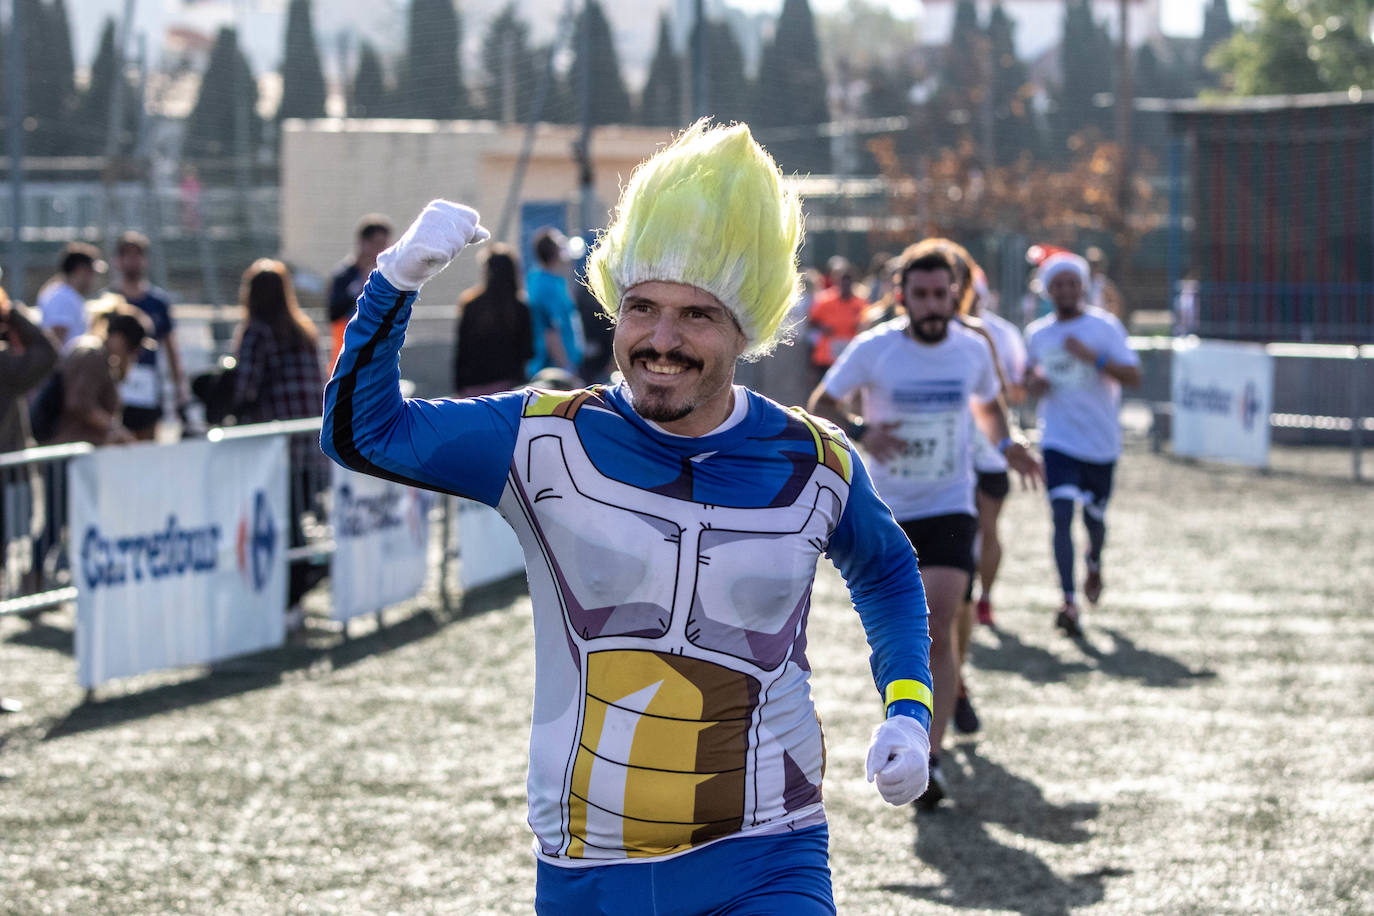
x=676, y=346
x=929, y=299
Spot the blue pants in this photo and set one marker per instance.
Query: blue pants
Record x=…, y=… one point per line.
x=786, y=874
x=1068, y=481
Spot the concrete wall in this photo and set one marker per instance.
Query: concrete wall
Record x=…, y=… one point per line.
x=333, y=171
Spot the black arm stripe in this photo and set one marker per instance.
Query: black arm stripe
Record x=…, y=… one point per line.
x=344, y=443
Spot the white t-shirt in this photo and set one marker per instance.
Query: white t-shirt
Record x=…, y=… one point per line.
x=926, y=388
x=1078, y=416
x=62, y=306
x=1011, y=354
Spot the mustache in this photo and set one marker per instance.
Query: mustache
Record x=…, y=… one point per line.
x=942, y=319
x=675, y=357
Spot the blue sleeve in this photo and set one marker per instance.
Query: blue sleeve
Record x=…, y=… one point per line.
x=462, y=447
x=879, y=566
x=568, y=330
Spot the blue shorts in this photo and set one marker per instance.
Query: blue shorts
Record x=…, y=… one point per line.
x=1084, y=481
x=785, y=874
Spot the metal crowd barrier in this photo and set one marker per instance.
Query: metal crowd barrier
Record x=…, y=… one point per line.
x=1323, y=393
x=36, y=574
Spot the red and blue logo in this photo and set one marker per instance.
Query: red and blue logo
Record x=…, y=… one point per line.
x=256, y=542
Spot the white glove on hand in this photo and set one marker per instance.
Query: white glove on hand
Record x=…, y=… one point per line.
x=442, y=229
x=899, y=760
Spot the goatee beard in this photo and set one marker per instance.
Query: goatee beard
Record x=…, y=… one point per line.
x=918, y=328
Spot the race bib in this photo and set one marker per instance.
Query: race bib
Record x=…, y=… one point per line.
x=139, y=388
x=930, y=447
x=1064, y=370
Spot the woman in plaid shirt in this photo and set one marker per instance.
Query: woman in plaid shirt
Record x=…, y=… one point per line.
x=278, y=378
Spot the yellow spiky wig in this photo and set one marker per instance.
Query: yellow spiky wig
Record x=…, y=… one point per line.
x=710, y=210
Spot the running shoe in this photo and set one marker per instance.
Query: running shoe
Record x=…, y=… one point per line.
x=936, y=790
x=1067, y=620
x=1092, y=585
x=965, y=718
x=984, y=609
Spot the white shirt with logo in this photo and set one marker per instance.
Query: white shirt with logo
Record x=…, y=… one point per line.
x=925, y=389
x=1078, y=416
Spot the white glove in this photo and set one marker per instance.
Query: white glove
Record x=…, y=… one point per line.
x=442, y=229
x=899, y=760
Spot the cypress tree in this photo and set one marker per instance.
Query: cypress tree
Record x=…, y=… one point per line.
x=609, y=100
x=728, y=92
x=660, y=103
x=956, y=107
x=226, y=84
x=1013, y=122
x=93, y=112
x=431, y=77
x=1217, y=29
x=302, y=77
x=791, y=91
x=507, y=45
x=1087, y=65
x=369, y=98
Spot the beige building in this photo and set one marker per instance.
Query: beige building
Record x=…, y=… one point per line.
x=333, y=171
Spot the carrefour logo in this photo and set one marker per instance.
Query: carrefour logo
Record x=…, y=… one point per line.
x=170, y=551
x=1222, y=402
x=357, y=516
x=256, y=543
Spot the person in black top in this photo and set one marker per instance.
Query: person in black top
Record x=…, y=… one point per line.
x=372, y=236
x=495, y=336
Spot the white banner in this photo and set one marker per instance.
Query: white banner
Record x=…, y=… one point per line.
x=487, y=547
x=381, y=543
x=1222, y=397
x=178, y=553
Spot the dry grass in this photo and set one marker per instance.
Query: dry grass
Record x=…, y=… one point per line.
x=1205, y=750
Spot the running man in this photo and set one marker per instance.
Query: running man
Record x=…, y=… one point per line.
x=921, y=384
x=988, y=463
x=1078, y=360
x=671, y=526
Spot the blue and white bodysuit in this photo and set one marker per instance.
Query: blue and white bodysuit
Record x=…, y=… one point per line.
x=671, y=581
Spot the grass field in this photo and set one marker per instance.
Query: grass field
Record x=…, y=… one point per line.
x=1207, y=749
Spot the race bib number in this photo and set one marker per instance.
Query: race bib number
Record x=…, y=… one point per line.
x=1064, y=370
x=930, y=447
x=139, y=388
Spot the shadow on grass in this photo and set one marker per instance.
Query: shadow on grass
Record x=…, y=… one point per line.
x=41, y=635
x=327, y=650
x=978, y=871
x=1129, y=661
x=1037, y=665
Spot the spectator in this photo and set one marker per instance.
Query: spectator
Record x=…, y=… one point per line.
x=278, y=378
x=141, y=391
x=835, y=316
x=371, y=237
x=62, y=300
x=1102, y=292
x=557, y=331
x=27, y=356
x=92, y=370
x=495, y=341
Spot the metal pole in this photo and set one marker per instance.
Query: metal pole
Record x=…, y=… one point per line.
x=1356, y=417
x=584, y=143
x=115, y=130
x=700, y=107
x=145, y=154
x=16, y=149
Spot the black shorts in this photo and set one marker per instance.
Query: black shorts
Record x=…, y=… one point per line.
x=994, y=484
x=943, y=540
x=138, y=418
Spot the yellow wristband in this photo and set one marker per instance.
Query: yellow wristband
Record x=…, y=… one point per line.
x=906, y=689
